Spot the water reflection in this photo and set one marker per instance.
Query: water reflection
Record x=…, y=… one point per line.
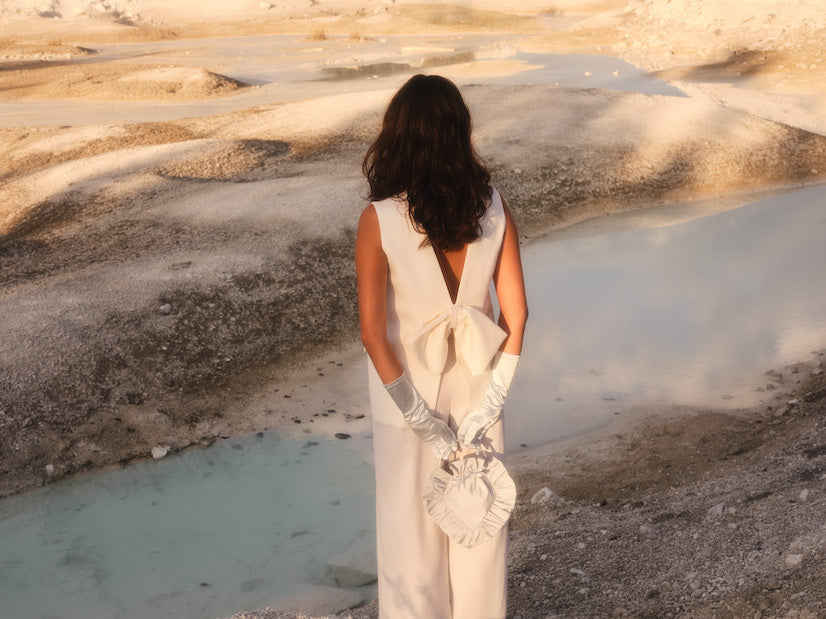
x=205, y=533
x=690, y=314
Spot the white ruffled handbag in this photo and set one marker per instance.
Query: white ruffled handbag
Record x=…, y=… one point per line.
x=473, y=501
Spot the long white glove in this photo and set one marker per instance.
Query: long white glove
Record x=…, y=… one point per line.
x=475, y=424
x=433, y=431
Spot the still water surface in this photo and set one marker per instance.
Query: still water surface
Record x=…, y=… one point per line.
x=690, y=314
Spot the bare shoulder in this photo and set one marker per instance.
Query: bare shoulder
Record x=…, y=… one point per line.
x=368, y=215
x=368, y=236
x=369, y=221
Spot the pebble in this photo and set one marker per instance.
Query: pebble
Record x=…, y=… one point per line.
x=545, y=495
x=576, y=571
x=783, y=410
x=50, y=469
x=793, y=560
x=581, y=545
x=715, y=512
x=817, y=371
x=648, y=529
x=159, y=451
x=166, y=308
x=804, y=494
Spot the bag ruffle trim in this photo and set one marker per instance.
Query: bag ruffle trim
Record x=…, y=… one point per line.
x=472, y=475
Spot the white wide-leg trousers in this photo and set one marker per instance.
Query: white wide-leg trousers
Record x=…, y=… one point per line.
x=422, y=573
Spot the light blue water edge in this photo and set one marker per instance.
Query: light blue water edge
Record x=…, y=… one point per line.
x=204, y=533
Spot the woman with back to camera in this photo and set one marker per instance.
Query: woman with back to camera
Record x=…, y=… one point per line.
x=428, y=246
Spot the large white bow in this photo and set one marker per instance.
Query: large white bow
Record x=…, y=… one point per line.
x=476, y=337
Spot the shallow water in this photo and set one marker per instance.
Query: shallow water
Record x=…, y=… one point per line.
x=589, y=71
x=289, y=68
x=690, y=314
x=204, y=533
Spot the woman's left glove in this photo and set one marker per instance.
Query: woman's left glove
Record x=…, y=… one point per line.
x=475, y=424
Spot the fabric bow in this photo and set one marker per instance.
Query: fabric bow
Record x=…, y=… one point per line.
x=476, y=336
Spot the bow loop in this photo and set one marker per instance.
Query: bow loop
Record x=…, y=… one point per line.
x=476, y=336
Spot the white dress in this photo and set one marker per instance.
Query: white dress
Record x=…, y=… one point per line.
x=446, y=348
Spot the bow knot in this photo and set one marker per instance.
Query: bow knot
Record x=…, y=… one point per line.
x=476, y=336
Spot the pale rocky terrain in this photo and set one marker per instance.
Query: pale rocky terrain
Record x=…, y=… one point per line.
x=160, y=270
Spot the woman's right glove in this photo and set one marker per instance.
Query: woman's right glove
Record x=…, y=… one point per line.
x=476, y=423
x=433, y=431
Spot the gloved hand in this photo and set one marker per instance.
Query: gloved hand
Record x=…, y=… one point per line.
x=433, y=431
x=475, y=424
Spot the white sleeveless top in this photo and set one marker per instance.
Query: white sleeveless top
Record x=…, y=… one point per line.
x=421, y=315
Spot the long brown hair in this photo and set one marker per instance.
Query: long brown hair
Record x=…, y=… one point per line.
x=424, y=151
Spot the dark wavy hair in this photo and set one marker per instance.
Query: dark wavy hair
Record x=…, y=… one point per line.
x=424, y=152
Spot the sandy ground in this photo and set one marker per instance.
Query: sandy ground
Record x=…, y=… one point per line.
x=157, y=273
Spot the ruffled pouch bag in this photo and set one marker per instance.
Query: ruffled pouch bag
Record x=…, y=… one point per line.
x=472, y=501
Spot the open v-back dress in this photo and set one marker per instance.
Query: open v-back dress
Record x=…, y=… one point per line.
x=446, y=348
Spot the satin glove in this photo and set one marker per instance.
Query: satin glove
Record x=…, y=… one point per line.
x=433, y=431
x=475, y=424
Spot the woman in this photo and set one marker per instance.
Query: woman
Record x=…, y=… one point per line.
x=428, y=246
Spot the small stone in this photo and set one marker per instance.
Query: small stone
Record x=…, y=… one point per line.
x=159, y=451
x=648, y=529
x=543, y=557
x=804, y=494
x=582, y=591
x=545, y=495
x=166, y=308
x=576, y=571
x=588, y=74
x=581, y=545
x=356, y=566
x=50, y=469
x=732, y=525
x=793, y=560
x=783, y=410
x=817, y=371
x=715, y=512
